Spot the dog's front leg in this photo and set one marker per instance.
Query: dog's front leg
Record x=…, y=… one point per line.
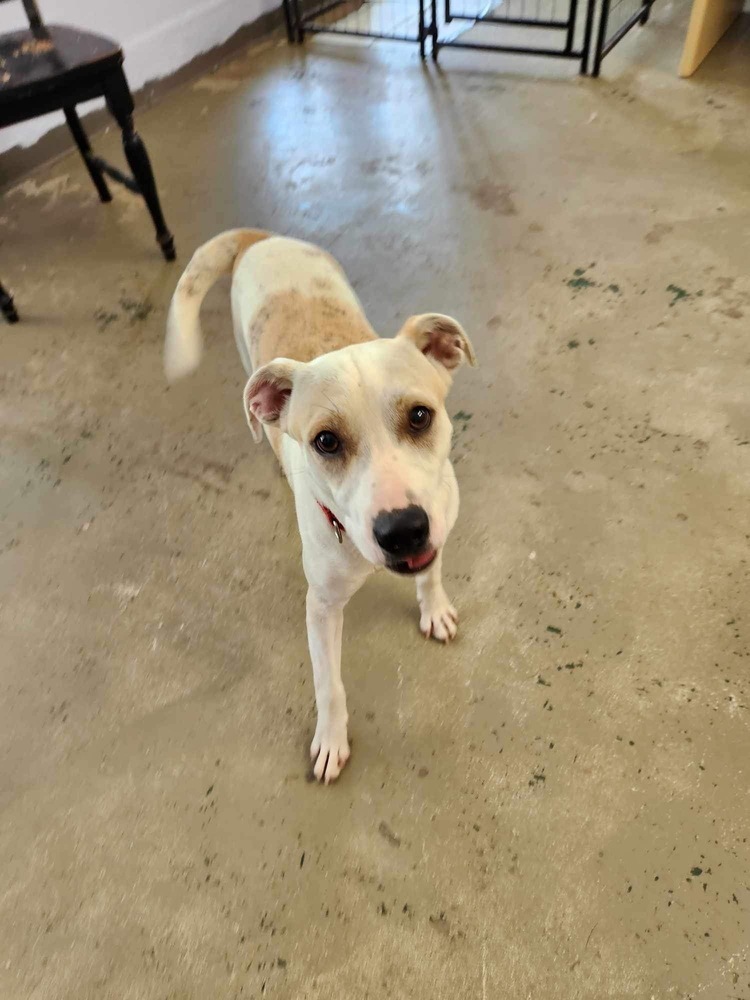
x=325, y=625
x=438, y=617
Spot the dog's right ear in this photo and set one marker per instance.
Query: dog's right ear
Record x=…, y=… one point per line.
x=266, y=396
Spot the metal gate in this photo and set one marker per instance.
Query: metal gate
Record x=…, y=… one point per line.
x=551, y=28
x=393, y=20
x=616, y=19
x=561, y=29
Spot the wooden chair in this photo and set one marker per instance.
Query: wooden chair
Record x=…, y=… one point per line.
x=51, y=68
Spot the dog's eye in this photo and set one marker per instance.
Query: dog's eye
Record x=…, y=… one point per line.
x=327, y=443
x=420, y=418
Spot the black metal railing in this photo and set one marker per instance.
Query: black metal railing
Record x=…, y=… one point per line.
x=616, y=19
x=391, y=20
x=560, y=29
x=542, y=28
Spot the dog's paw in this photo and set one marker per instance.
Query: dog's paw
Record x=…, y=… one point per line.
x=329, y=752
x=438, y=619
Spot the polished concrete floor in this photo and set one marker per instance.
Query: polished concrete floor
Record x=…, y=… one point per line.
x=556, y=805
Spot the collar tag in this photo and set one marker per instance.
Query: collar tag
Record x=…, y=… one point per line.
x=338, y=527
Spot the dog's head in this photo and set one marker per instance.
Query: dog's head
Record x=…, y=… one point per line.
x=374, y=434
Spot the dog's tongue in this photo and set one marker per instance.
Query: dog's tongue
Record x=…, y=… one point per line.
x=417, y=562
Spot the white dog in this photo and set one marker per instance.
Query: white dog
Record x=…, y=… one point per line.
x=359, y=426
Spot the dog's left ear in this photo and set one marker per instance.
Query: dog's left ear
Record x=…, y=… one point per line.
x=266, y=395
x=440, y=338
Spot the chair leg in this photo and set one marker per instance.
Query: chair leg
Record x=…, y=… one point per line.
x=82, y=141
x=120, y=104
x=7, y=306
x=290, y=28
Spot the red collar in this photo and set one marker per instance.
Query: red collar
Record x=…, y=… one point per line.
x=338, y=527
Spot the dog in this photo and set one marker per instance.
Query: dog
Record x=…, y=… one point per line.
x=358, y=423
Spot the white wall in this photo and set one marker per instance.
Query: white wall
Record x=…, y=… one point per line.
x=157, y=36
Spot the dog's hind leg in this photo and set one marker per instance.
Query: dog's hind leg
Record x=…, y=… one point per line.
x=438, y=618
x=239, y=335
x=248, y=363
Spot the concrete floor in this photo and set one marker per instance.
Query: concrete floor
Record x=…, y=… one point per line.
x=554, y=807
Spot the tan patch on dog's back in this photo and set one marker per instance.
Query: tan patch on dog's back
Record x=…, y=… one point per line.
x=301, y=327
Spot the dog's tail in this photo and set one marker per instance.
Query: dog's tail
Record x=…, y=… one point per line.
x=184, y=344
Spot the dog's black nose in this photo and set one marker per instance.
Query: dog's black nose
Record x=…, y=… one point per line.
x=402, y=532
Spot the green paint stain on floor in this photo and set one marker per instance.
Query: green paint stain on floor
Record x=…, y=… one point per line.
x=579, y=279
x=679, y=293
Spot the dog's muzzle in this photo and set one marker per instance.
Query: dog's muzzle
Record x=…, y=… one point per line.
x=404, y=537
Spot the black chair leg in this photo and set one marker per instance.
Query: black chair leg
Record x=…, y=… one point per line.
x=8, y=307
x=82, y=141
x=120, y=104
x=290, y=27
